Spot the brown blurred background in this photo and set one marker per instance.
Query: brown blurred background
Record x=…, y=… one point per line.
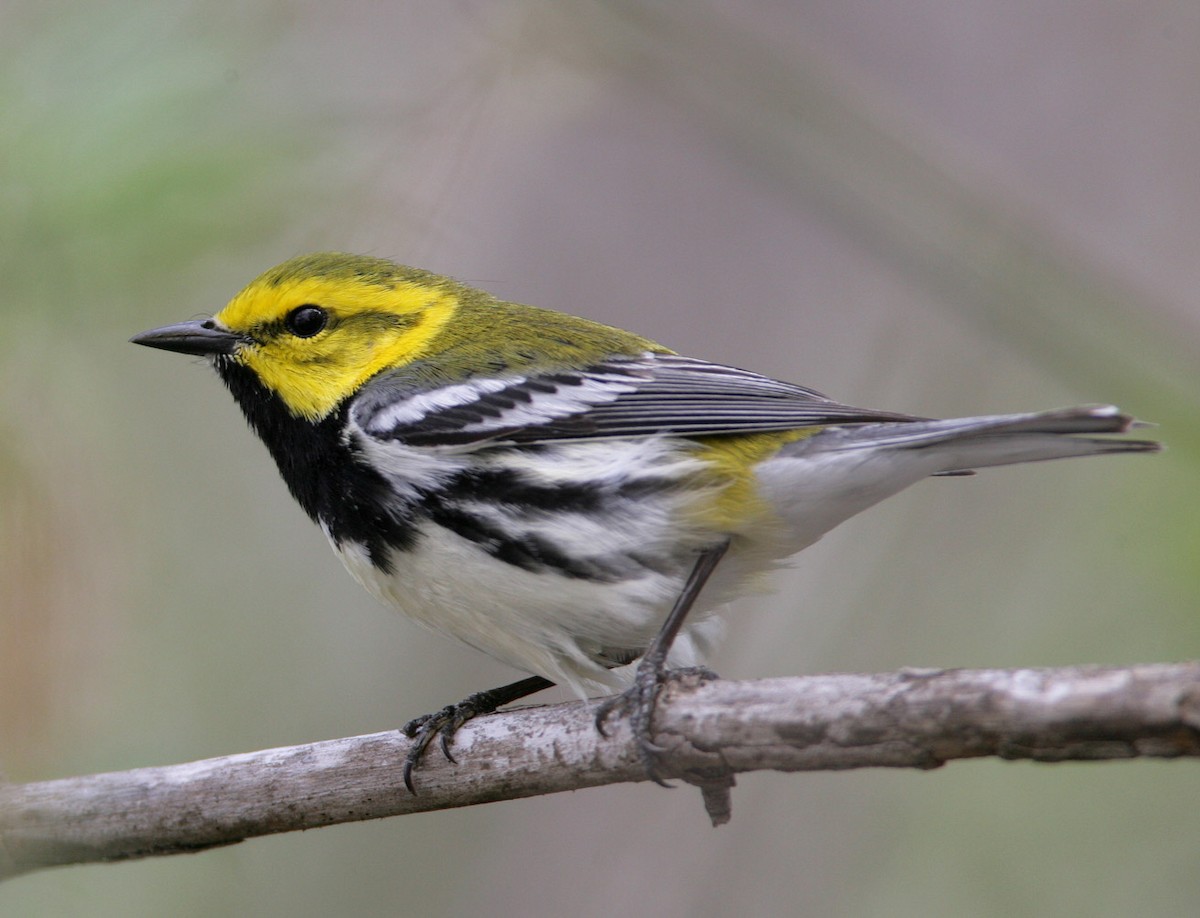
x=930, y=206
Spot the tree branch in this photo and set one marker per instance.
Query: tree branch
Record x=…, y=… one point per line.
x=908, y=719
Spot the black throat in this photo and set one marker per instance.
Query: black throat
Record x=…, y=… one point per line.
x=323, y=471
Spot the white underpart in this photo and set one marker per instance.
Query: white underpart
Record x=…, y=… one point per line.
x=540, y=623
x=812, y=494
x=544, y=621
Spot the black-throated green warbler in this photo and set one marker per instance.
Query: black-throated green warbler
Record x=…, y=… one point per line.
x=552, y=491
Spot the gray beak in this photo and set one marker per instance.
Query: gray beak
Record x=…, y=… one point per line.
x=202, y=337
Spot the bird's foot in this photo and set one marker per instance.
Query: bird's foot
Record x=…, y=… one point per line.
x=638, y=703
x=443, y=724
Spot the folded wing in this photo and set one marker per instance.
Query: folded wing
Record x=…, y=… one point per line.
x=622, y=397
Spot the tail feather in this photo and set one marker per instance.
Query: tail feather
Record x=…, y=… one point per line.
x=964, y=444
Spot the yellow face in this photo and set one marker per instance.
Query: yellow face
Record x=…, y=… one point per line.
x=314, y=337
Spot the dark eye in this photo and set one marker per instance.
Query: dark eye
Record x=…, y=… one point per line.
x=306, y=321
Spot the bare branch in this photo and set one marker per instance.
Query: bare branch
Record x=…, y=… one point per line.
x=909, y=719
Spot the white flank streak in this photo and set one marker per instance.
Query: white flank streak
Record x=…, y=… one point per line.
x=410, y=469
x=618, y=460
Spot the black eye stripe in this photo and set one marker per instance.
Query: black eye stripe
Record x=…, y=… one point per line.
x=306, y=321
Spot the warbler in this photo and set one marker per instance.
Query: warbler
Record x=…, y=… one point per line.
x=555, y=492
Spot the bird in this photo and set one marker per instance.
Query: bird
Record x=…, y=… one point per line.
x=565, y=496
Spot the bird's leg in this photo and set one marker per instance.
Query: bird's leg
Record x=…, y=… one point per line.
x=445, y=723
x=639, y=700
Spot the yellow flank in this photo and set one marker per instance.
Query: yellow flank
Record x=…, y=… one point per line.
x=375, y=322
x=731, y=460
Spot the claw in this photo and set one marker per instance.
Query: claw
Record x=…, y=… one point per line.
x=447, y=733
x=604, y=711
x=445, y=723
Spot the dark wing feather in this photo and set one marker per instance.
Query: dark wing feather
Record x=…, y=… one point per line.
x=621, y=397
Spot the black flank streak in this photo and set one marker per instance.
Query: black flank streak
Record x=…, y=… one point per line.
x=509, y=488
x=638, y=488
x=527, y=552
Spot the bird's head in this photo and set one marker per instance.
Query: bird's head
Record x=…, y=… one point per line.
x=314, y=329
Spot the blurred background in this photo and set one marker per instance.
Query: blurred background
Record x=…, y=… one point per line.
x=931, y=206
